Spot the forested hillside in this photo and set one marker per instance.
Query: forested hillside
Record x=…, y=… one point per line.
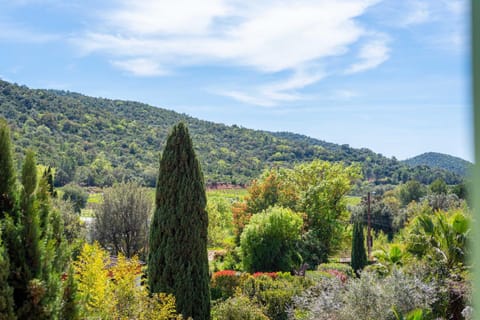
x=442, y=161
x=95, y=141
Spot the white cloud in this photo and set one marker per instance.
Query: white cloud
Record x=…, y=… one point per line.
x=247, y=98
x=269, y=36
x=165, y=17
x=371, y=55
x=272, y=94
x=153, y=38
x=140, y=67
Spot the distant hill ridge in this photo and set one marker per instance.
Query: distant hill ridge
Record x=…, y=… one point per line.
x=442, y=161
x=96, y=141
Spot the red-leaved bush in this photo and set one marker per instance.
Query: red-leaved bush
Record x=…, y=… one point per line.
x=223, y=284
x=225, y=273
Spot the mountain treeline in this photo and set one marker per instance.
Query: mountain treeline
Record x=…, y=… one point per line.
x=442, y=161
x=96, y=142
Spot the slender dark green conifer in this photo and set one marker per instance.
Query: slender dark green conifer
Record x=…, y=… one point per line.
x=8, y=194
x=6, y=291
x=359, y=256
x=54, y=249
x=8, y=201
x=28, y=290
x=48, y=175
x=177, y=261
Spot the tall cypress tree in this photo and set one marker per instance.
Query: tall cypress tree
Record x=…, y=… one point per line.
x=177, y=261
x=6, y=291
x=8, y=194
x=55, y=253
x=359, y=256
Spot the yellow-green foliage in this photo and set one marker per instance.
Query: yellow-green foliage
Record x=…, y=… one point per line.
x=220, y=223
x=352, y=200
x=237, y=308
x=109, y=290
x=94, y=286
x=95, y=198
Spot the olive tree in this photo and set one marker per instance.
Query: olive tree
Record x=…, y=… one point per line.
x=122, y=220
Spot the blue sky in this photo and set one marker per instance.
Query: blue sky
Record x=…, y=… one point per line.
x=392, y=76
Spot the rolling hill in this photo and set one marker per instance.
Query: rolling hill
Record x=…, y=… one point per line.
x=442, y=161
x=96, y=141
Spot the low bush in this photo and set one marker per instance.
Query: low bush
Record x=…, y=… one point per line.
x=237, y=308
x=364, y=298
x=274, y=295
x=224, y=283
x=344, y=268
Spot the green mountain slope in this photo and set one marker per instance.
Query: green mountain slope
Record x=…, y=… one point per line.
x=95, y=141
x=442, y=161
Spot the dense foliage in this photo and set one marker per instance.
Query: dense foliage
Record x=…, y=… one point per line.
x=35, y=252
x=294, y=217
x=442, y=161
x=94, y=141
x=111, y=289
x=122, y=219
x=177, y=259
x=269, y=242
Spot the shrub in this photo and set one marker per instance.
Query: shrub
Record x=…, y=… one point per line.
x=272, y=275
x=107, y=290
x=319, y=302
x=77, y=195
x=274, y=295
x=237, y=308
x=364, y=298
x=224, y=283
x=371, y=297
x=268, y=243
x=344, y=268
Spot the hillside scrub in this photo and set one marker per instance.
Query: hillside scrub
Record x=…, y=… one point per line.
x=95, y=141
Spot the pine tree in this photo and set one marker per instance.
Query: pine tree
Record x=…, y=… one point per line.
x=177, y=261
x=359, y=256
x=8, y=194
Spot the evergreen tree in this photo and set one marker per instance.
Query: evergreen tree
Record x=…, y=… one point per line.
x=359, y=256
x=48, y=175
x=177, y=261
x=70, y=305
x=7, y=172
x=6, y=292
x=28, y=288
x=55, y=251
